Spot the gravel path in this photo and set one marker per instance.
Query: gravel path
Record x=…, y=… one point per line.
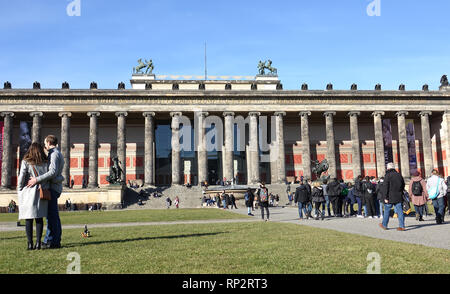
x=424, y=233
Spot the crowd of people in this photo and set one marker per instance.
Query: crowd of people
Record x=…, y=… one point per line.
x=373, y=197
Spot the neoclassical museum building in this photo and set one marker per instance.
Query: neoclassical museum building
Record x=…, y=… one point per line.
x=357, y=131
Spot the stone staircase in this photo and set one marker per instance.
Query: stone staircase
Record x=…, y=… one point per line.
x=189, y=197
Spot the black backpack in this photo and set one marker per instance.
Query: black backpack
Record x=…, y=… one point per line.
x=417, y=188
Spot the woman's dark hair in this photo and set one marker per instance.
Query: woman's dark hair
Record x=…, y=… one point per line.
x=35, y=154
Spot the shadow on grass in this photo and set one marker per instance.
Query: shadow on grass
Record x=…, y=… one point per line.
x=141, y=239
x=12, y=238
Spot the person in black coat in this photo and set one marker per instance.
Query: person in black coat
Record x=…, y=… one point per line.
x=302, y=198
x=368, y=197
x=380, y=191
x=318, y=199
x=334, y=189
x=249, y=199
x=394, y=187
x=357, y=192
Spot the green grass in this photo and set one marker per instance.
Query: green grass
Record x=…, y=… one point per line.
x=146, y=215
x=229, y=248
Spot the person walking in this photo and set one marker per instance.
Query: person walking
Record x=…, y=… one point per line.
x=177, y=202
x=368, y=197
x=318, y=199
x=334, y=192
x=233, y=201
x=302, y=198
x=223, y=198
x=32, y=208
x=249, y=198
x=395, y=185
x=168, y=202
x=54, y=177
x=436, y=189
x=327, y=199
x=263, y=199
x=418, y=193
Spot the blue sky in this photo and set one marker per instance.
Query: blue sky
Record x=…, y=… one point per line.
x=315, y=42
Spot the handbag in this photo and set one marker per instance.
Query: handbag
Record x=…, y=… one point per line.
x=44, y=194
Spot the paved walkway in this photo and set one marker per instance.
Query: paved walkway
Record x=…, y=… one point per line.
x=424, y=233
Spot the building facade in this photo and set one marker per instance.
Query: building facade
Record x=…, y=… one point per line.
x=357, y=131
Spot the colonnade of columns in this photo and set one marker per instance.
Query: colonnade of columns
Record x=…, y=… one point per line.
x=252, y=149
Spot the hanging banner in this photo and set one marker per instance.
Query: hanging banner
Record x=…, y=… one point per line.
x=1, y=147
x=411, y=139
x=387, y=140
x=24, y=140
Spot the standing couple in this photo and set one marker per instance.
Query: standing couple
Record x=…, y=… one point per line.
x=38, y=169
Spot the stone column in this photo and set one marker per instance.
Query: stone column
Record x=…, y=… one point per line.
x=356, y=153
x=7, y=149
x=331, y=152
x=253, y=147
x=379, y=144
x=93, y=149
x=229, y=145
x=281, y=161
x=149, y=156
x=403, y=143
x=176, y=160
x=122, y=142
x=306, y=149
x=37, y=126
x=202, y=154
x=249, y=165
x=65, y=146
x=426, y=143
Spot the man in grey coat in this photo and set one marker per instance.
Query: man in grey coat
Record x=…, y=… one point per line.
x=54, y=176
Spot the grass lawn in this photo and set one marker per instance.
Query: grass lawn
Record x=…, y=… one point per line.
x=229, y=248
x=146, y=215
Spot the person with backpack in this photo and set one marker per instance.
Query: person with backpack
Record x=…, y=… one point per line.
x=418, y=193
x=302, y=198
x=263, y=199
x=233, y=201
x=368, y=194
x=358, y=191
x=334, y=192
x=249, y=198
x=436, y=189
x=395, y=185
x=318, y=198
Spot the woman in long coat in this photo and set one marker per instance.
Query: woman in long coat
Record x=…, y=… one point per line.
x=31, y=207
x=420, y=200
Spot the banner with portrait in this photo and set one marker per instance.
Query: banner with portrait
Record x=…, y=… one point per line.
x=1, y=147
x=24, y=140
x=411, y=139
x=387, y=141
